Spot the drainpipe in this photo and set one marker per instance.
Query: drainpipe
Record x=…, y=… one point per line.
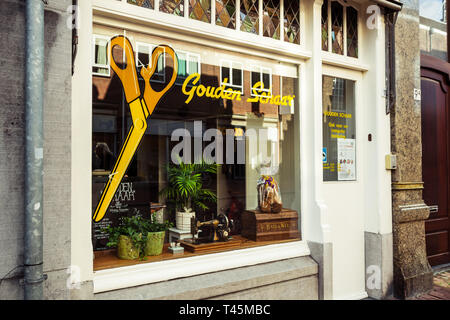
x=34, y=96
x=390, y=20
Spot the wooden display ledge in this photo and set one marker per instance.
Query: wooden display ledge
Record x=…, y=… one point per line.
x=107, y=259
x=209, y=247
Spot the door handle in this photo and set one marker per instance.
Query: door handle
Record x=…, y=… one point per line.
x=433, y=209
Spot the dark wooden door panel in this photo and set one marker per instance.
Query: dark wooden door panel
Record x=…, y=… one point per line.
x=437, y=242
x=437, y=259
x=434, y=225
x=435, y=163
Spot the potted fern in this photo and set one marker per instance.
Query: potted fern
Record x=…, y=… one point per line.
x=185, y=190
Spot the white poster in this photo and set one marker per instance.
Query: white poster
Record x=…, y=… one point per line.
x=346, y=159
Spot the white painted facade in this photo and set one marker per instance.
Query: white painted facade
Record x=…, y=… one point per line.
x=336, y=213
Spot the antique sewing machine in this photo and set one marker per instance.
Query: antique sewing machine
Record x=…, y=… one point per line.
x=214, y=230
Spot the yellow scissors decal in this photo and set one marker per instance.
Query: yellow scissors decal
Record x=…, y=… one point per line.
x=141, y=107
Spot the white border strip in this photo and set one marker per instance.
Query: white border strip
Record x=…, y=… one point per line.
x=146, y=273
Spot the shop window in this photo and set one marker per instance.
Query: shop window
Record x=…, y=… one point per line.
x=339, y=28
x=339, y=135
x=234, y=74
x=100, y=64
x=264, y=77
x=292, y=21
x=226, y=13
x=175, y=7
x=143, y=54
x=200, y=10
x=271, y=19
x=249, y=14
x=150, y=4
x=192, y=122
x=352, y=32
x=188, y=63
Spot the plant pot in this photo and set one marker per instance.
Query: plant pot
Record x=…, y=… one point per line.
x=183, y=220
x=126, y=250
x=155, y=243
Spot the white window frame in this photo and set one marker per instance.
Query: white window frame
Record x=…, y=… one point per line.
x=150, y=48
x=106, y=66
x=230, y=83
x=261, y=71
x=188, y=72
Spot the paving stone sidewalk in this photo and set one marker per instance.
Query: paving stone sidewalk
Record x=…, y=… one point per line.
x=441, y=288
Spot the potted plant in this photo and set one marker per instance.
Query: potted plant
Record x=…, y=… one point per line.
x=156, y=233
x=137, y=237
x=129, y=238
x=185, y=189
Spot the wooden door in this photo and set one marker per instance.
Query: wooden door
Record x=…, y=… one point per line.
x=436, y=157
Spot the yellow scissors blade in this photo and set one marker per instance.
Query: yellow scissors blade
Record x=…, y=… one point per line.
x=129, y=148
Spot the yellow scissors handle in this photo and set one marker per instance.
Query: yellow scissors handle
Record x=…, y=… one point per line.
x=151, y=96
x=139, y=113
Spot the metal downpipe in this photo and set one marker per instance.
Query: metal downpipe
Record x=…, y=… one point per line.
x=34, y=103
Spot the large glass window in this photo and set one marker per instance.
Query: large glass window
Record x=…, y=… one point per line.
x=339, y=132
x=201, y=117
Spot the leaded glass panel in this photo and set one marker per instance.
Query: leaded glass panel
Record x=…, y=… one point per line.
x=143, y=3
x=292, y=21
x=249, y=16
x=352, y=32
x=337, y=27
x=175, y=7
x=325, y=25
x=271, y=18
x=226, y=13
x=200, y=10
